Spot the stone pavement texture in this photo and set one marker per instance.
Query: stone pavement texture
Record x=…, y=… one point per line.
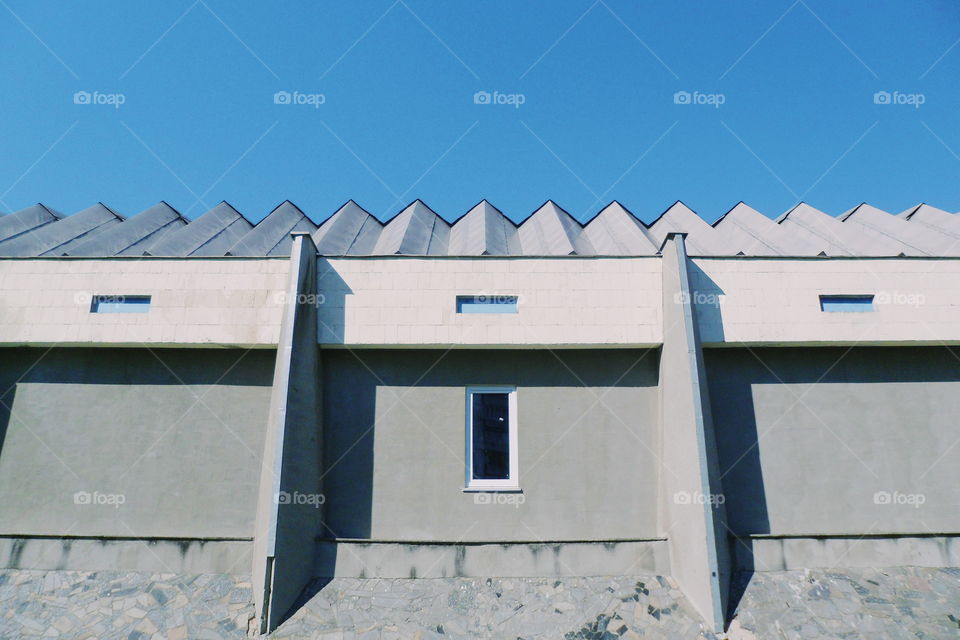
x=876, y=604
x=880, y=604
x=588, y=608
x=133, y=606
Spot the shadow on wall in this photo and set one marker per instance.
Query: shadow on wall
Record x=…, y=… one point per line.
x=78, y=366
x=847, y=397
x=353, y=378
x=737, y=375
x=75, y=420
x=331, y=320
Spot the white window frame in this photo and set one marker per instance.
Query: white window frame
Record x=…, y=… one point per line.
x=507, y=484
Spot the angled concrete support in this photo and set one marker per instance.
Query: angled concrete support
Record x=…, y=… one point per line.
x=692, y=512
x=290, y=503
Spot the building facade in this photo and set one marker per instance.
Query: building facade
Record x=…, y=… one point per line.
x=289, y=401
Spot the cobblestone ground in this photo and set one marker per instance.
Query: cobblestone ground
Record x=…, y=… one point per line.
x=133, y=606
x=554, y=609
x=879, y=604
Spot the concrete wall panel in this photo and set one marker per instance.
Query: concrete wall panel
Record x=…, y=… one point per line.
x=398, y=560
x=162, y=556
x=838, y=441
x=131, y=442
x=395, y=442
x=764, y=553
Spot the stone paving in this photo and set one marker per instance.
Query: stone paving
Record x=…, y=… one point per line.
x=880, y=604
x=531, y=608
x=135, y=606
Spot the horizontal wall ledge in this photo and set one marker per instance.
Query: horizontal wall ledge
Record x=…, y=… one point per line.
x=853, y=536
x=485, y=257
x=143, y=258
x=147, y=539
x=155, y=555
x=386, y=559
x=786, y=553
x=515, y=345
x=482, y=542
x=141, y=345
x=834, y=343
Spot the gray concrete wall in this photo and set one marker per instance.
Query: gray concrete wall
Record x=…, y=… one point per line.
x=770, y=553
x=183, y=556
x=131, y=442
x=395, y=443
x=359, y=559
x=838, y=441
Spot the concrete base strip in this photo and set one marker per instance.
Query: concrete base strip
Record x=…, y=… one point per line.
x=369, y=559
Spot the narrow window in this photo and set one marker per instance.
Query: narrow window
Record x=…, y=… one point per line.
x=846, y=303
x=486, y=304
x=120, y=304
x=492, y=438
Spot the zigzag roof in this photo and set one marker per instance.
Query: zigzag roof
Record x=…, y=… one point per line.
x=98, y=231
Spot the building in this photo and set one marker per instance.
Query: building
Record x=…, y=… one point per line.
x=285, y=401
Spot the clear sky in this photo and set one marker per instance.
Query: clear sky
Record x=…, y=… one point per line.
x=382, y=104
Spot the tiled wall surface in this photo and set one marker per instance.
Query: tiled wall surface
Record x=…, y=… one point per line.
x=225, y=301
x=586, y=301
x=412, y=301
x=778, y=300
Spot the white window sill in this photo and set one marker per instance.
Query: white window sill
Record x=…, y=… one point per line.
x=496, y=489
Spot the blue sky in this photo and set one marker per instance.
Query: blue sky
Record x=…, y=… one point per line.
x=779, y=106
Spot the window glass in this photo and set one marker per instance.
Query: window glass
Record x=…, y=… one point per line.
x=491, y=436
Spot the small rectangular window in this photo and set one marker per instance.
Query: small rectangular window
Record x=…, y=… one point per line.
x=120, y=304
x=846, y=303
x=486, y=304
x=492, y=458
